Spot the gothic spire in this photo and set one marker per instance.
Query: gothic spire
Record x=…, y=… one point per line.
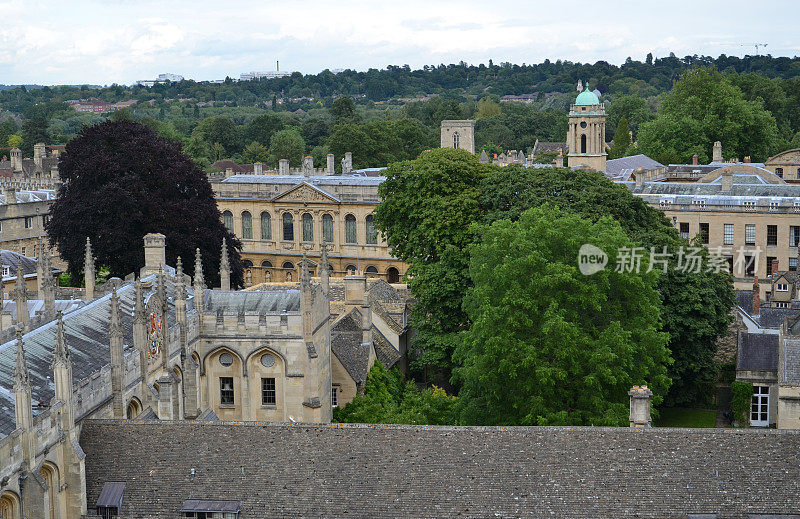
x=224, y=267
x=115, y=326
x=61, y=351
x=21, y=379
x=180, y=287
x=88, y=270
x=324, y=273
x=199, y=282
x=138, y=305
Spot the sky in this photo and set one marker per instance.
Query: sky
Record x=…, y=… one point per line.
x=121, y=41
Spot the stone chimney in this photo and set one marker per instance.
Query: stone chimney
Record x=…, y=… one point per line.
x=16, y=159
x=639, y=177
x=330, y=167
x=155, y=255
x=756, y=297
x=228, y=172
x=39, y=152
x=355, y=288
x=747, y=159
x=727, y=180
x=258, y=168
x=308, y=166
x=11, y=194
x=283, y=167
x=716, y=155
x=640, y=406
x=560, y=159
x=695, y=160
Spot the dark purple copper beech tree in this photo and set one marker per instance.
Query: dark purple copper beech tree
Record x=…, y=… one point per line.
x=122, y=181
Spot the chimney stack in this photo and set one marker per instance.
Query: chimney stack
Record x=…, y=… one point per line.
x=695, y=160
x=640, y=406
x=16, y=159
x=355, y=288
x=39, y=152
x=155, y=255
x=560, y=158
x=347, y=163
x=258, y=168
x=228, y=172
x=283, y=167
x=756, y=297
x=330, y=168
x=308, y=166
x=727, y=180
x=717, y=152
x=747, y=159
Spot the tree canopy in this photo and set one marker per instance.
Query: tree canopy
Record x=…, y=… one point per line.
x=122, y=181
x=549, y=345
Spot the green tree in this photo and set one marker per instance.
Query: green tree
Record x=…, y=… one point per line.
x=262, y=128
x=549, y=345
x=219, y=130
x=255, y=152
x=622, y=139
x=343, y=110
x=287, y=144
x=355, y=139
x=704, y=107
x=15, y=141
x=428, y=207
x=34, y=131
x=633, y=108
x=487, y=108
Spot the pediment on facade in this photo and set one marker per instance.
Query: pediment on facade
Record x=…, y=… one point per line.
x=785, y=157
x=305, y=192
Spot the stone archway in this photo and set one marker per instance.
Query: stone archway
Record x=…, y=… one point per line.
x=9, y=505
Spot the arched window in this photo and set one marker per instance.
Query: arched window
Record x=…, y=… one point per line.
x=327, y=228
x=456, y=140
x=247, y=226
x=392, y=275
x=288, y=265
x=266, y=226
x=308, y=227
x=288, y=227
x=371, y=270
x=350, y=234
x=134, y=408
x=227, y=220
x=266, y=264
x=9, y=506
x=247, y=264
x=49, y=473
x=583, y=143
x=372, y=236
x=350, y=269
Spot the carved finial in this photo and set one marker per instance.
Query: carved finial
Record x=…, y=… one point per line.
x=199, y=281
x=224, y=267
x=138, y=304
x=21, y=378
x=180, y=287
x=115, y=326
x=61, y=351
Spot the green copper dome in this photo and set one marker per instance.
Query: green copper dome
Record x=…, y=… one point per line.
x=587, y=98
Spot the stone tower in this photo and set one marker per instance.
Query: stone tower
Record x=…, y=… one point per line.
x=459, y=135
x=586, y=136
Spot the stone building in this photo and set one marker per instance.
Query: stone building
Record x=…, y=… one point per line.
x=586, y=137
x=785, y=165
x=43, y=165
x=458, y=134
x=281, y=217
x=23, y=214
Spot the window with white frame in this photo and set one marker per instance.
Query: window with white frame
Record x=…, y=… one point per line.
x=781, y=304
x=781, y=287
x=794, y=235
x=749, y=204
x=29, y=222
x=759, y=407
x=728, y=234
x=701, y=202
x=750, y=234
x=665, y=202
x=6, y=271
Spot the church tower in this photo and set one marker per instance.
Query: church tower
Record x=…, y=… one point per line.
x=586, y=136
x=458, y=135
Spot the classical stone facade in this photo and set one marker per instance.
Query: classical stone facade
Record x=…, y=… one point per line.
x=785, y=165
x=281, y=218
x=458, y=134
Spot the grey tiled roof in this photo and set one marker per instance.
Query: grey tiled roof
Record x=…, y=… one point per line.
x=384, y=351
x=11, y=259
x=634, y=162
x=744, y=298
x=774, y=317
x=347, y=346
x=258, y=302
x=27, y=195
x=757, y=352
x=419, y=471
x=86, y=332
x=790, y=362
x=323, y=180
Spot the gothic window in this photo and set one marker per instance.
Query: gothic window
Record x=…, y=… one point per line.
x=327, y=228
x=350, y=235
x=308, y=227
x=372, y=236
x=583, y=143
x=288, y=227
x=226, y=390
x=266, y=226
x=268, y=393
x=267, y=360
x=456, y=140
x=50, y=474
x=247, y=226
x=227, y=219
x=9, y=506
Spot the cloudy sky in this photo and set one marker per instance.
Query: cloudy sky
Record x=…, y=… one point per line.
x=120, y=41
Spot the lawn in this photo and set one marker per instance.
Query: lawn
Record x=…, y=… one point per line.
x=684, y=417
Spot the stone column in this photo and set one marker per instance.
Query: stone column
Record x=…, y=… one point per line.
x=20, y=294
x=117, y=358
x=224, y=267
x=88, y=271
x=640, y=406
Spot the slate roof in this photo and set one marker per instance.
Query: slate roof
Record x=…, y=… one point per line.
x=757, y=352
x=10, y=259
x=253, y=302
x=347, y=345
x=417, y=471
x=323, y=180
x=27, y=195
x=744, y=298
x=86, y=332
x=773, y=317
x=623, y=167
x=384, y=351
x=790, y=362
x=37, y=305
x=742, y=190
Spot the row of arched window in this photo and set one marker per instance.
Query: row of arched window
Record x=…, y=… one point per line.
x=307, y=228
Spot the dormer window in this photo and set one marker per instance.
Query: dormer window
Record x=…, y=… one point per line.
x=6, y=271
x=781, y=287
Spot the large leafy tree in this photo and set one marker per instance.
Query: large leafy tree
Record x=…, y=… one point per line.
x=287, y=144
x=429, y=205
x=549, y=345
x=704, y=107
x=122, y=181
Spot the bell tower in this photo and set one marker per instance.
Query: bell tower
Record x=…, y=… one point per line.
x=458, y=135
x=586, y=136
